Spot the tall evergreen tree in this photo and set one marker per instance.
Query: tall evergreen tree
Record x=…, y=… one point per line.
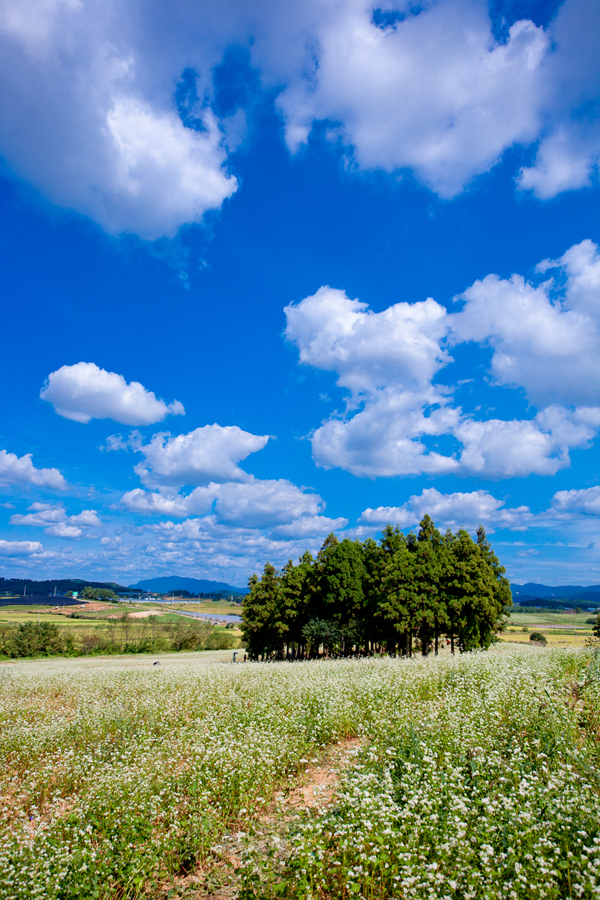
x=473, y=609
x=297, y=601
x=397, y=591
x=336, y=581
x=264, y=624
x=497, y=575
x=430, y=618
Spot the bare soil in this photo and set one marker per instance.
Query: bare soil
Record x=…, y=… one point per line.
x=315, y=787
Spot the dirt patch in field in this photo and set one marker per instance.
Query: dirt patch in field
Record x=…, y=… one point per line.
x=141, y=615
x=315, y=787
x=319, y=781
x=68, y=610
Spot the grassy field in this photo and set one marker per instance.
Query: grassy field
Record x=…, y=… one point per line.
x=559, y=629
x=83, y=619
x=469, y=777
x=101, y=628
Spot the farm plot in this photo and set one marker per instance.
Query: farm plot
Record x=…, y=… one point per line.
x=476, y=778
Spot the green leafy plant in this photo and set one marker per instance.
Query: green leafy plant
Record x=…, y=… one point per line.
x=538, y=637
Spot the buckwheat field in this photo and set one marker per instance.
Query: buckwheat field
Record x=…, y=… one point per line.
x=473, y=776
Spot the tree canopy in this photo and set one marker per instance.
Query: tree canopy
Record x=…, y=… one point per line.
x=402, y=595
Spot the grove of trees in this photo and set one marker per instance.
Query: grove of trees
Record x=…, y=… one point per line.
x=403, y=595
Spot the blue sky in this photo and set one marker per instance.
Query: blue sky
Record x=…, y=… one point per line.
x=272, y=270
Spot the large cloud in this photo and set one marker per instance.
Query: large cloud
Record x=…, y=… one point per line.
x=254, y=503
x=517, y=448
x=55, y=521
x=569, y=151
x=210, y=453
x=134, y=143
x=429, y=89
x=208, y=457
x=463, y=510
x=92, y=85
x=545, y=339
x=385, y=437
x=432, y=92
x=20, y=548
x=84, y=391
x=20, y=470
x=586, y=500
x=367, y=349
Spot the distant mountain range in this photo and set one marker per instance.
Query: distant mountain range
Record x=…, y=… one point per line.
x=566, y=595
x=194, y=585
x=567, y=591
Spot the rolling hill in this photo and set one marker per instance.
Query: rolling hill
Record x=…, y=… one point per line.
x=563, y=591
x=193, y=585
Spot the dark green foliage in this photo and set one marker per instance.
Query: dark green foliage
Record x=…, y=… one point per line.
x=90, y=593
x=264, y=621
x=39, y=639
x=336, y=580
x=321, y=632
x=543, y=604
x=62, y=585
x=395, y=596
x=538, y=637
x=123, y=635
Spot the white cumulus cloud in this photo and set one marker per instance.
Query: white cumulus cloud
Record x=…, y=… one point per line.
x=384, y=438
x=309, y=526
x=209, y=453
x=55, y=521
x=517, y=448
x=457, y=510
x=259, y=503
x=586, y=500
x=366, y=349
x=20, y=470
x=84, y=391
x=545, y=339
x=20, y=548
x=141, y=501
x=253, y=503
x=93, y=85
x=433, y=92
x=569, y=152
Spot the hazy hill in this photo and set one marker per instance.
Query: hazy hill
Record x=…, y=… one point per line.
x=591, y=602
x=193, y=585
x=39, y=588
x=567, y=591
